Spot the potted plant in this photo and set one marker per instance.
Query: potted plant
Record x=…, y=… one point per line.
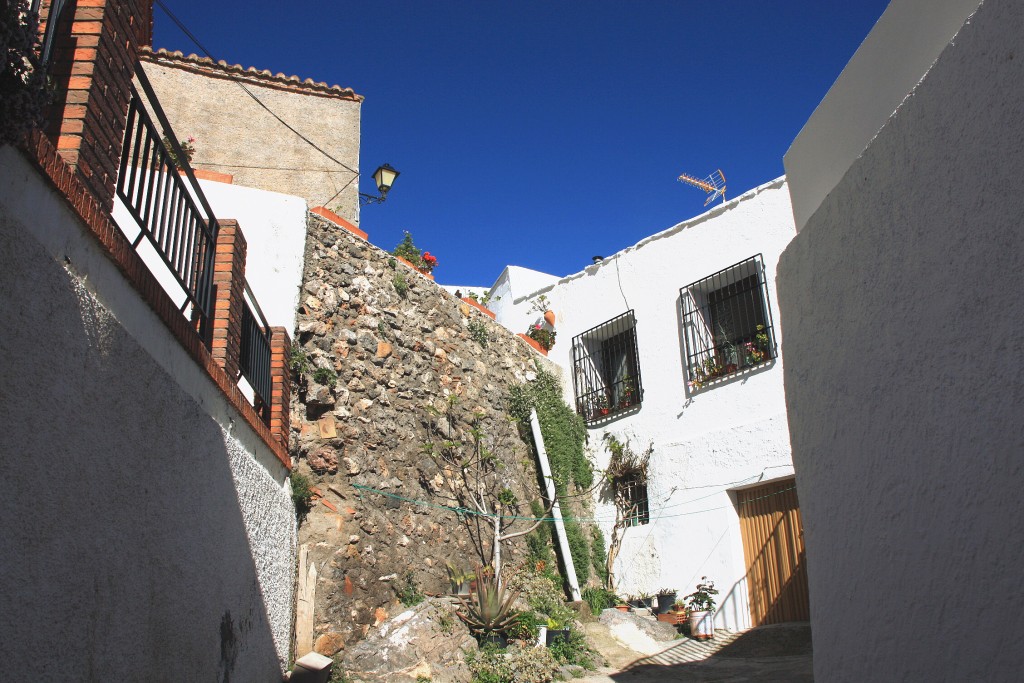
x=460, y=582
x=488, y=612
x=701, y=608
x=556, y=631
x=666, y=600
x=628, y=393
x=542, y=336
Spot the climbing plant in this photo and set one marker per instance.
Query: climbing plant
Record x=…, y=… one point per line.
x=23, y=91
x=565, y=435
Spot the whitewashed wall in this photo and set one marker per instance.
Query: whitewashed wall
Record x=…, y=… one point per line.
x=508, y=295
x=148, y=532
x=274, y=226
x=902, y=300
x=707, y=442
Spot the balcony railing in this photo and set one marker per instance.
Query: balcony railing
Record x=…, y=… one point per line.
x=158, y=189
x=606, y=369
x=254, y=355
x=727, y=323
x=179, y=224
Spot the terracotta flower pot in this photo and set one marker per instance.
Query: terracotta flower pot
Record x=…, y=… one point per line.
x=549, y=318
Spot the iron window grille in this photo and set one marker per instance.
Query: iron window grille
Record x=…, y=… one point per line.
x=727, y=322
x=606, y=369
x=633, y=494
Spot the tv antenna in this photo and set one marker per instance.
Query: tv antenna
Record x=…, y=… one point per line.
x=714, y=185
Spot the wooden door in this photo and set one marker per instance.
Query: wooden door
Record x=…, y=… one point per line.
x=773, y=543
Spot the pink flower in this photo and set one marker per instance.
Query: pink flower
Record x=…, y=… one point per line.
x=537, y=326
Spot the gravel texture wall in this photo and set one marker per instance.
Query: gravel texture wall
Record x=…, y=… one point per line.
x=902, y=301
x=148, y=531
x=401, y=361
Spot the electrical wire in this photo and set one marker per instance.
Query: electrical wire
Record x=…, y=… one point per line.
x=580, y=520
x=184, y=29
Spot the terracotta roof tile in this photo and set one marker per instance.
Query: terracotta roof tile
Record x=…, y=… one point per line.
x=194, y=62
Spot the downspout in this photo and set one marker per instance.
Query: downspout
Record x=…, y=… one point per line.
x=556, y=511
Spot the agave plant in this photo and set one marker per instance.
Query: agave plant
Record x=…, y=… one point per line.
x=489, y=609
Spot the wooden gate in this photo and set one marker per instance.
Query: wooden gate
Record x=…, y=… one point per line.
x=773, y=543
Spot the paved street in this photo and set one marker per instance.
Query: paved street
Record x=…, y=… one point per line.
x=779, y=653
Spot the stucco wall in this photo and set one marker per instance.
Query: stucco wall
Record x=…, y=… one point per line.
x=148, y=532
x=902, y=302
x=235, y=135
x=904, y=43
x=705, y=442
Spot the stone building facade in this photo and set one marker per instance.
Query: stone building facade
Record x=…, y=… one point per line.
x=391, y=365
x=237, y=135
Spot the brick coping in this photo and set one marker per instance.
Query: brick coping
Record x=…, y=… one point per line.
x=324, y=212
x=479, y=306
x=533, y=342
x=264, y=77
x=97, y=219
x=429, y=276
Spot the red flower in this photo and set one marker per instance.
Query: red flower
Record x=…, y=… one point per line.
x=429, y=258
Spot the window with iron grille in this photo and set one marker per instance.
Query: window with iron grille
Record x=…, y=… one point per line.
x=727, y=322
x=606, y=369
x=632, y=491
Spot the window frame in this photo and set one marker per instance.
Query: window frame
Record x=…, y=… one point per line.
x=632, y=490
x=716, y=346
x=606, y=369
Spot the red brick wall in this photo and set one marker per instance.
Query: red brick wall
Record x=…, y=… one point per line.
x=93, y=60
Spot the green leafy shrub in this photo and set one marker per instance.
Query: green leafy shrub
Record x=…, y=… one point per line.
x=302, y=493
x=478, y=332
x=599, y=598
x=298, y=361
x=400, y=284
x=325, y=376
x=563, y=430
x=408, y=592
x=516, y=664
x=580, y=550
x=574, y=651
x=23, y=90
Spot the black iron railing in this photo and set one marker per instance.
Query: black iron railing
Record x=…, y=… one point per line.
x=254, y=354
x=178, y=223
x=606, y=369
x=727, y=322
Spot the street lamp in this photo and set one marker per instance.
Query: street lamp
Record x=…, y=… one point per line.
x=384, y=176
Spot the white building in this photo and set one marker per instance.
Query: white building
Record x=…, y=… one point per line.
x=674, y=342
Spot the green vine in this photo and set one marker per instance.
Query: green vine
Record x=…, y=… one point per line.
x=564, y=436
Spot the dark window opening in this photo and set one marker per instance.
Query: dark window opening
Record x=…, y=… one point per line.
x=727, y=322
x=632, y=492
x=606, y=369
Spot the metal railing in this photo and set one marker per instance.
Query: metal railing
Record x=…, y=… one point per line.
x=178, y=223
x=606, y=369
x=254, y=354
x=174, y=215
x=727, y=322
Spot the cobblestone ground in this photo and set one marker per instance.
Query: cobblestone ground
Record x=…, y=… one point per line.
x=780, y=653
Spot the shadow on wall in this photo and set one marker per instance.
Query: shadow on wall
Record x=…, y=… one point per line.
x=126, y=555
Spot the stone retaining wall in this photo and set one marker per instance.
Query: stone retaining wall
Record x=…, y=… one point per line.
x=401, y=361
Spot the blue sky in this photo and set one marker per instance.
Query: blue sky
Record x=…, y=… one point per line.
x=540, y=134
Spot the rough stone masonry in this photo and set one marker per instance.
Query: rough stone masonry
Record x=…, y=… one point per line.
x=399, y=360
